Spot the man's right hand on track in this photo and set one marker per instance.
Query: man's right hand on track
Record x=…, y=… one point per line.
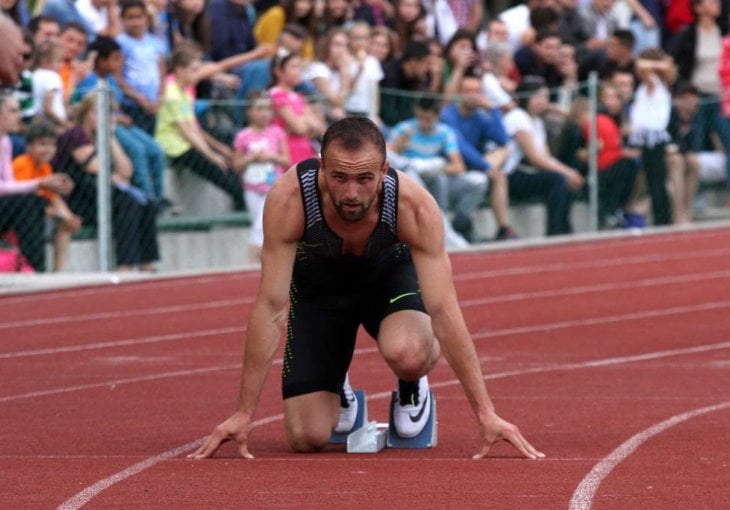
x=235, y=428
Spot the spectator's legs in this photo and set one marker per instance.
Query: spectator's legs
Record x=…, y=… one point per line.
x=149, y=250
x=226, y=180
x=141, y=118
x=155, y=160
x=126, y=218
x=61, y=243
x=141, y=175
x=466, y=191
x=25, y=214
x=553, y=188
x=653, y=161
x=615, y=185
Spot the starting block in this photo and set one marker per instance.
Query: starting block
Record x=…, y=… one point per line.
x=427, y=438
x=371, y=437
x=360, y=421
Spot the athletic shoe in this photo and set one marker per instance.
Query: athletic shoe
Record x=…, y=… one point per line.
x=413, y=408
x=348, y=408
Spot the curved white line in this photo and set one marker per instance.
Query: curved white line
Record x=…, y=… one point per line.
x=87, y=494
x=583, y=495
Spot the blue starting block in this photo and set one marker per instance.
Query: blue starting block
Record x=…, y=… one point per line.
x=360, y=420
x=427, y=438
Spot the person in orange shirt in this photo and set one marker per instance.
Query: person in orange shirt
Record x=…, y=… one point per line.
x=41, y=146
x=73, y=41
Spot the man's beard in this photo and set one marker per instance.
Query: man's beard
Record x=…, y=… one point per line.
x=352, y=213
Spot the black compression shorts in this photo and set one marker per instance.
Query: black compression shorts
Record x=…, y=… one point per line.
x=322, y=328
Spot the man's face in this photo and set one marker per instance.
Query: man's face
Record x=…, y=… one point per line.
x=353, y=179
x=549, y=50
x=9, y=115
x=73, y=44
x=624, y=83
x=42, y=150
x=47, y=31
x=470, y=91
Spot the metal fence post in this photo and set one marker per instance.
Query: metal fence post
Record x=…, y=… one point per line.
x=593, y=151
x=103, y=180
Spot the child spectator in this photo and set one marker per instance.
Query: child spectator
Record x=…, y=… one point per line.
x=301, y=122
x=182, y=139
x=35, y=164
x=47, y=86
x=649, y=120
x=365, y=97
x=261, y=156
x=147, y=156
x=144, y=65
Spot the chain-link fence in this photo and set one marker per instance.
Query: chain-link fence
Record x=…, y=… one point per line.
x=136, y=204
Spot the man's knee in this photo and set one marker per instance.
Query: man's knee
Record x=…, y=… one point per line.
x=307, y=439
x=412, y=357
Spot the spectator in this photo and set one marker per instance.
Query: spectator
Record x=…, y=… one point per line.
x=498, y=67
x=617, y=165
x=618, y=54
x=101, y=16
x=541, y=174
x=449, y=16
x=377, y=10
x=271, y=22
x=408, y=21
x=600, y=21
x=148, y=159
x=143, y=66
x=685, y=163
x=343, y=13
x=646, y=23
x=364, y=98
x=541, y=58
x=461, y=58
x=261, y=155
x=65, y=12
x=35, y=164
x=649, y=119
x=133, y=216
x=482, y=143
x=162, y=24
x=302, y=124
x=21, y=209
x=401, y=78
x=17, y=11
x=384, y=45
x=430, y=152
x=181, y=138
x=74, y=68
x=23, y=90
x=233, y=21
x=47, y=86
x=43, y=28
x=332, y=72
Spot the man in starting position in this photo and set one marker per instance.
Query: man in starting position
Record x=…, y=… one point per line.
x=350, y=241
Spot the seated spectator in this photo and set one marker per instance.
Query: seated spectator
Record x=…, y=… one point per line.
x=22, y=210
x=541, y=58
x=148, y=159
x=133, y=215
x=272, y=21
x=143, y=66
x=262, y=156
x=65, y=12
x=600, y=21
x=384, y=45
x=429, y=152
x=448, y=17
x=181, y=138
x=461, y=57
x=74, y=67
x=401, y=78
x=43, y=28
x=35, y=164
x=302, y=124
x=101, y=16
x=482, y=142
x=617, y=55
x=617, y=165
x=48, y=102
x=530, y=167
x=408, y=21
x=344, y=13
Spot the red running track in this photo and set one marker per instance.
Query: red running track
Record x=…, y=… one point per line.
x=612, y=356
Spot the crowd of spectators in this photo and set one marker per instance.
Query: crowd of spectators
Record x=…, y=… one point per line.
x=478, y=100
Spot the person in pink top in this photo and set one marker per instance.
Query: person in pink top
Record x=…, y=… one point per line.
x=22, y=210
x=302, y=123
x=261, y=154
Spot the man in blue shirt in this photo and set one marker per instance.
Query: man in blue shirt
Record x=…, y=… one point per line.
x=482, y=143
x=430, y=152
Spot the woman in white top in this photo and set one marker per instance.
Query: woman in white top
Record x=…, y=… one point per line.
x=530, y=167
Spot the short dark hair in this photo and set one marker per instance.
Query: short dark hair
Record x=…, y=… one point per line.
x=352, y=133
x=131, y=4
x=416, y=50
x=528, y=87
x=427, y=103
x=104, y=46
x=35, y=22
x=39, y=129
x=625, y=38
x=74, y=25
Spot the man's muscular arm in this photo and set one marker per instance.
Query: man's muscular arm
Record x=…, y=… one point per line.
x=420, y=226
x=283, y=226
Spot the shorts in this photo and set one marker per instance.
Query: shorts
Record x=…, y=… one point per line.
x=322, y=328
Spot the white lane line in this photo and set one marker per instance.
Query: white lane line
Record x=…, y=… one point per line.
x=92, y=491
x=87, y=494
x=584, y=289
x=594, y=321
x=592, y=264
x=123, y=343
x=583, y=495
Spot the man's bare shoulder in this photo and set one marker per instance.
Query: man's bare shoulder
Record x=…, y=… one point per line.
x=419, y=217
x=284, y=212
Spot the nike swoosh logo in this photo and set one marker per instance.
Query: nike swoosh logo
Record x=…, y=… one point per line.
x=419, y=415
x=397, y=298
